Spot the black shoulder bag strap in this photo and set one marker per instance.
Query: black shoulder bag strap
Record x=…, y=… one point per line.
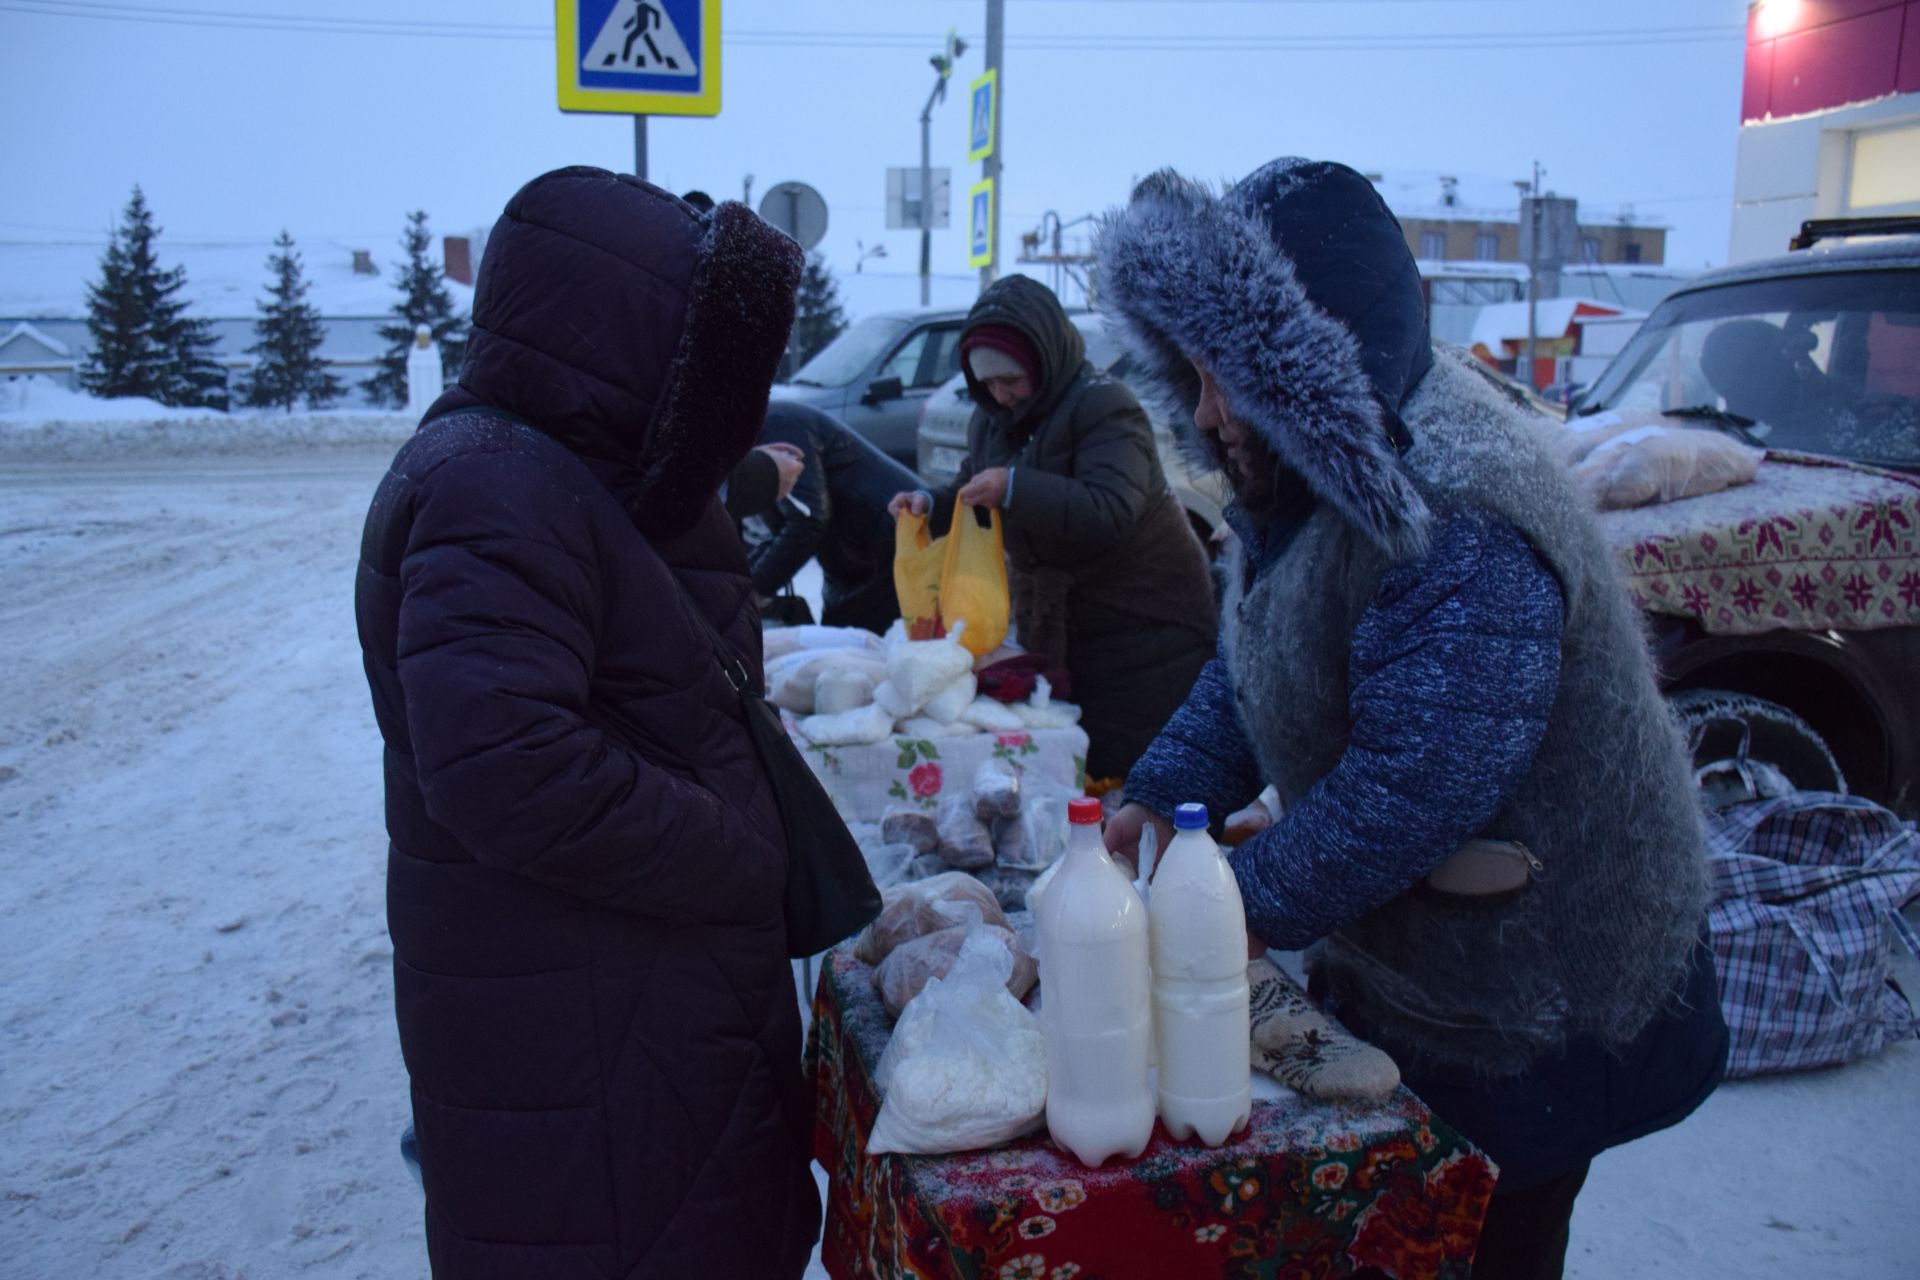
x=830, y=893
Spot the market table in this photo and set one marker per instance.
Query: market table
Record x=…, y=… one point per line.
x=901, y=769
x=1309, y=1189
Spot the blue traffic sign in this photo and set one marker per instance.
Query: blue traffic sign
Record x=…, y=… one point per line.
x=980, y=224
x=983, y=103
x=643, y=57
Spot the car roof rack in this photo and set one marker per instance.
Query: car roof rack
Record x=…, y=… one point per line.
x=1817, y=229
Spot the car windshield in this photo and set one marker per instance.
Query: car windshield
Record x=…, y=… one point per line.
x=1815, y=363
x=852, y=353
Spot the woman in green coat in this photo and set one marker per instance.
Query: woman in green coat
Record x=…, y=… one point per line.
x=1106, y=574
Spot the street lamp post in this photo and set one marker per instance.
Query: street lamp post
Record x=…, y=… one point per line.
x=943, y=67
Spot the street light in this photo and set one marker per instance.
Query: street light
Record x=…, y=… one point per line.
x=943, y=69
x=877, y=251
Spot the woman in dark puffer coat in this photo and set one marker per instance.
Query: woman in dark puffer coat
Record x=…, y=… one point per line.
x=586, y=866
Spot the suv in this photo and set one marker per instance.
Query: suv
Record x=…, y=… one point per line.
x=877, y=375
x=1786, y=614
x=944, y=418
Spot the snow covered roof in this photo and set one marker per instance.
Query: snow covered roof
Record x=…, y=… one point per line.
x=1422, y=193
x=23, y=330
x=1502, y=322
x=225, y=280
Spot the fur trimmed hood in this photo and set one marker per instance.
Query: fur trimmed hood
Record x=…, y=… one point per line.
x=1296, y=289
x=633, y=329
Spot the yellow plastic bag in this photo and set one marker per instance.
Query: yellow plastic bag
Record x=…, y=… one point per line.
x=961, y=577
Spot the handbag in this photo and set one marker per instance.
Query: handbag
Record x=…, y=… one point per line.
x=788, y=609
x=830, y=894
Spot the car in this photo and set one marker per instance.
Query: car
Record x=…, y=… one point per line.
x=878, y=374
x=942, y=436
x=1815, y=356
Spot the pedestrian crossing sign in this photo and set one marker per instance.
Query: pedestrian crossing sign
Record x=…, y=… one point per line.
x=980, y=111
x=639, y=57
x=980, y=224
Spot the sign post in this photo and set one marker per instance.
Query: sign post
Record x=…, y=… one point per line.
x=638, y=58
x=989, y=154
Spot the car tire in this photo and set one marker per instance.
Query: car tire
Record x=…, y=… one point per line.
x=1747, y=748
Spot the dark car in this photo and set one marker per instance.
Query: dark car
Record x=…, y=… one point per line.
x=1816, y=352
x=876, y=376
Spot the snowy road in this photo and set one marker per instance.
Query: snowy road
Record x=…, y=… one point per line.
x=199, y=1076
x=201, y=1073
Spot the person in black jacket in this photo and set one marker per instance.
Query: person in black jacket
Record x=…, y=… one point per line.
x=586, y=865
x=836, y=513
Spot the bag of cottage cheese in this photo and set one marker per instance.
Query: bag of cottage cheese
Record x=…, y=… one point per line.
x=967, y=1065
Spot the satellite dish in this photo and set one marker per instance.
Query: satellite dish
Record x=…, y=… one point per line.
x=796, y=209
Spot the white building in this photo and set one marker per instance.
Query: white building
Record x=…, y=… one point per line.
x=1829, y=120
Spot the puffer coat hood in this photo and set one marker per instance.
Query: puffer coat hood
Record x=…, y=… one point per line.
x=581, y=264
x=1296, y=289
x=1024, y=304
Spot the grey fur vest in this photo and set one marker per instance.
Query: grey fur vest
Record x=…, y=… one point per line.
x=1599, y=942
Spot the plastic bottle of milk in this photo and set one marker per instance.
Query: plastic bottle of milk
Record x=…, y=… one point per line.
x=1096, y=1002
x=1199, y=934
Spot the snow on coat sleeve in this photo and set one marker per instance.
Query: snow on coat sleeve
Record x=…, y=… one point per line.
x=1095, y=509
x=496, y=653
x=1452, y=674
x=1201, y=756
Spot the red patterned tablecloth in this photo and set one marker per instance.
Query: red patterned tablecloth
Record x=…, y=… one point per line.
x=1810, y=545
x=1310, y=1189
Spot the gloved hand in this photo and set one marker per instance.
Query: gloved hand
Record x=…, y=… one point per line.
x=1306, y=1050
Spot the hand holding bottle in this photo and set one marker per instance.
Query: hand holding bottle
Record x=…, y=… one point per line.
x=1123, y=833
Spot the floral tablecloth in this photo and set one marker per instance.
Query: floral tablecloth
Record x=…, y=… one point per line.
x=1309, y=1189
x=865, y=780
x=1810, y=545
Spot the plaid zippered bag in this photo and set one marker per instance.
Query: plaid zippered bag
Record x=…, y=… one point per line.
x=1806, y=911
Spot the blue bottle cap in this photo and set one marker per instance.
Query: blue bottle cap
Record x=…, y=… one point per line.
x=1190, y=817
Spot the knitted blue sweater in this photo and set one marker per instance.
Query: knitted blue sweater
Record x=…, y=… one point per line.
x=1453, y=671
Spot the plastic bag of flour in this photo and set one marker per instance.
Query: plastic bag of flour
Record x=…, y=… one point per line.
x=967, y=1065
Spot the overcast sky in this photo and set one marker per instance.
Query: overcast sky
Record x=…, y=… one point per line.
x=333, y=118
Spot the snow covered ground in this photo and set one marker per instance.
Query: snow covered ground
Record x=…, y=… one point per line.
x=199, y=1076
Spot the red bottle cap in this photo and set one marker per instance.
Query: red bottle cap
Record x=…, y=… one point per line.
x=1084, y=811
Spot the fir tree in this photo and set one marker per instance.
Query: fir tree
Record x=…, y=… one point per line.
x=424, y=301
x=818, y=318
x=144, y=343
x=290, y=333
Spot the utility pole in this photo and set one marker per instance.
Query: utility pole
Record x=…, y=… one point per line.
x=1533, y=273
x=943, y=67
x=926, y=191
x=990, y=167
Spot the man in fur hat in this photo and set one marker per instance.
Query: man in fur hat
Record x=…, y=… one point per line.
x=1490, y=835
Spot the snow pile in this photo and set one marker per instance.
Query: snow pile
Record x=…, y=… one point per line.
x=42, y=421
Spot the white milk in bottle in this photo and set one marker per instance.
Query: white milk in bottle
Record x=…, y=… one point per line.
x=1199, y=936
x=1096, y=999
